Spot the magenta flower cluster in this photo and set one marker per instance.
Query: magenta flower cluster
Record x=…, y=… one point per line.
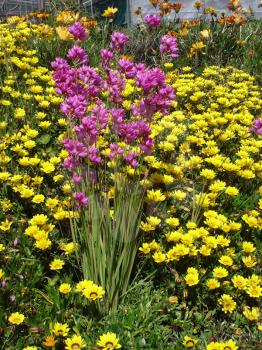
x=93, y=101
x=152, y=20
x=257, y=126
x=169, y=46
x=78, y=31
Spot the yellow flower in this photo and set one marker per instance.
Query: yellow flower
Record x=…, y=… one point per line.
x=231, y=191
x=1, y=273
x=60, y=329
x=64, y=34
x=155, y=196
x=229, y=345
x=212, y=283
x=213, y=346
x=145, y=249
x=5, y=225
x=93, y=292
x=189, y=342
x=173, y=299
x=205, y=34
x=220, y=272
x=38, y=198
x=68, y=248
x=254, y=291
x=56, y=264
x=173, y=222
x=248, y=247
x=159, y=257
x=47, y=167
x=38, y=219
x=251, y=314
x=192, y=277
x=239, y=282
x=228, y=304
x=226, y=260
x=108, y=341
x=110, y=12
x=16, y=318
x=75, y=343
x=249, y=261
x=65, y=288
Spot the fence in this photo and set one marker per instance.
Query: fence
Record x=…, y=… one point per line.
x=21, y=7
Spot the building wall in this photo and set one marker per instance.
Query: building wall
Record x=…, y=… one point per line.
x=188, y=10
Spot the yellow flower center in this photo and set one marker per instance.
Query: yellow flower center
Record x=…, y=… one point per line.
x=109, y=345
x=75, y=346
x=93, y=294
x=190, y=343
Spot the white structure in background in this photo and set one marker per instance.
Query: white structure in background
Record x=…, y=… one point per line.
x=188, y=11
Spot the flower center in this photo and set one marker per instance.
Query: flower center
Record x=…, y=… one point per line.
x=75, y=346
x=190, y=343
x=227, y=348
x=109, y=345
x=93, y=294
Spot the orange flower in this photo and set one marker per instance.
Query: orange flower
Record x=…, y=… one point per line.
x=154, y=2
x=176, y=6
x=49, y=341
x=89, y=24
x=233, y=5
x=164, y=8
x=138, y=10
x=198, y=4
x=210, y=11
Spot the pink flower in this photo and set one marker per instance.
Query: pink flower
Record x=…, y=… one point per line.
x=152, y=20
x=78, y=31
x=169, y=46
x=118, y=41
x=257, y=126
x=78, y=54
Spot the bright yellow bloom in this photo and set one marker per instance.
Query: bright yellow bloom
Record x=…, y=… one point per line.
x=251, y=314
x=60, y=329
x=108, y=341
x=212, y=283
x=16, y=318
x=65, y=288
x=159, y=257
x=189, y=342
x=56, y=264
x=228, y=304
x=220, y=272
x=93, y=292
x=155, y=196
x=74, y=343
x=110, y=12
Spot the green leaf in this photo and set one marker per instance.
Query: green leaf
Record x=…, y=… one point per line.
x=44, y=139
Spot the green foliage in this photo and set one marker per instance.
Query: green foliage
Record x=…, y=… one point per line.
x=107, y=236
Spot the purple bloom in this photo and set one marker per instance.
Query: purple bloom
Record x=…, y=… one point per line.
x=16, y=241
x=78, y=31
x=152, y=20
x=118, y=41
x=169, y=46
x=78, y=54
x=80, y=198
x=257, y=126
x=131, y=159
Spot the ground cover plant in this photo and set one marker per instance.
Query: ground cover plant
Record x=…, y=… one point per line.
x=130, y=185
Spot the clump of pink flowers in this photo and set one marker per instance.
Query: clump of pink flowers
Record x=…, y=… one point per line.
x=169, y=46
x=78, y=31
x=152, y=20
x=92, y=115
x=257, y=126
